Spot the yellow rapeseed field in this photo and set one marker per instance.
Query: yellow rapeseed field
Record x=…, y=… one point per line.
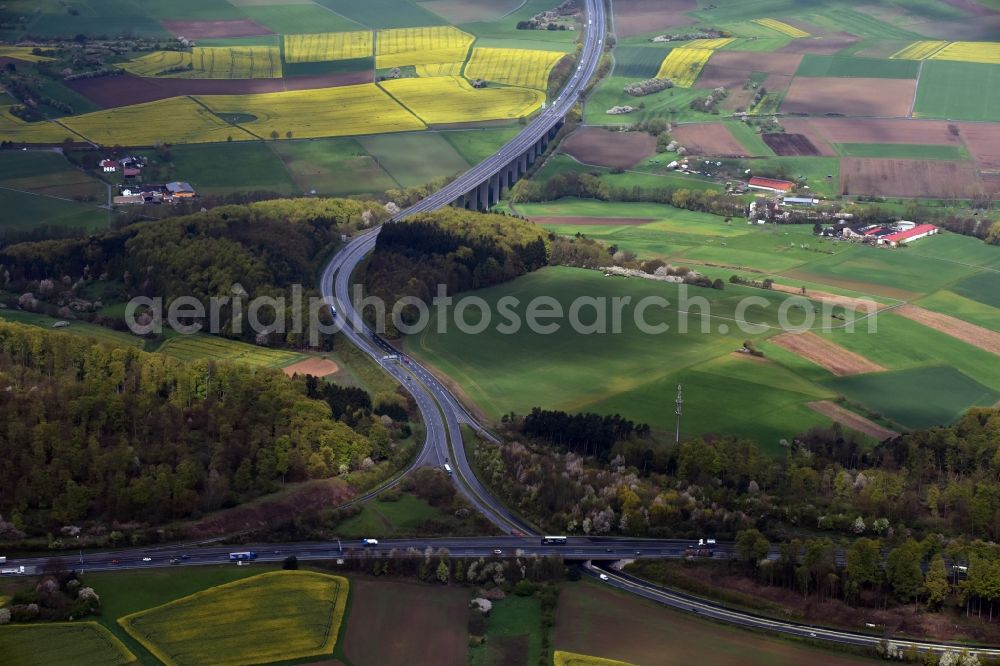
x=985, y=52
x=210, y=62
x=174, y=120
x=421, y=46
x=439, y=69
x=572, y=659
x=683, y=65
x=919, y=50
x=14, y=129
x=276, y=616
x=783, y=28
x=452, y=99
x=514, y=67
x=717, y=43
x=341, y=111
x=328, y=46
x=22, y=53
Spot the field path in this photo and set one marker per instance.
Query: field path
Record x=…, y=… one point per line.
x=853, y=421
x=972, y=334
x=913, y=102
x=838, y=360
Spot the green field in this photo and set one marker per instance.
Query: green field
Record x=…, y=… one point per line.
x=415, y=159
x=575, y=371
x=92, y=331
x=958, y=90
x=401, y=517
x=383, y=13
x=476, y=145
x=200, y=346
x=750, y=140
x=903, y=395
x=672, y=104
x=503, y=32
x=639, y=62
x=904, y=151
x=336, y=167
x=967, y=309
x=512, y=633
x=290, y=19
x=83, y=643
x=219, y=169
x=24, y=211
x=226, y=625
x=983, y=287
x=877, y=68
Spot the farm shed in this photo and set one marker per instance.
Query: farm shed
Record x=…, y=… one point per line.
x=919, y=231
x=179, y=189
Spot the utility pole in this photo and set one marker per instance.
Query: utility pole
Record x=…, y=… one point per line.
x=680, y=403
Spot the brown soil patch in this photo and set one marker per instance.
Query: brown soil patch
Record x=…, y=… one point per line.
x=880, y=130
x=860, y=304
x=853, y=421
x=907, y=178
x=638, y=17
x=593, y=145
x=777, y=83
x=790, y=144
x=213, y=29
x=841, y=362
x=970, y=7
x=594, y=221
x=113, y=91
x=825, y=45
x=758, y=61
x=709, y=139
x=976, y=336
x=849, y=96
x=713, y=76
x=426, y=625
x=991, y=183
x=983, y=141
x=271, y=511
x=317, y=367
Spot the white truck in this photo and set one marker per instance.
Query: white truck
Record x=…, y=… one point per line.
x=3, y=560
x=12, y=571
x=369, y=542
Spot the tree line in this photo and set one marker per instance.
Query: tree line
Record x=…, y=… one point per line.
x=587, y=433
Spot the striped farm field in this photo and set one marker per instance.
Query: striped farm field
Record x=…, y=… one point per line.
x=421, y=46
x=683, y=65
x=716, y=43
x=514, y=67
x=43, y=644
x=920, y=50
x=210, y=62
x=983, y=52
x=14, y=129
x=22, y=53
x=209, y=347
x=561, y=658
x=174, y=120
x=439, y=69
x=328, y=46
x=452, y=99
x=276, y=616
x=342, y=111
x=781, y=27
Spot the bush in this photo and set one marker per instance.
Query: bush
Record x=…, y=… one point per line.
x=291, y=563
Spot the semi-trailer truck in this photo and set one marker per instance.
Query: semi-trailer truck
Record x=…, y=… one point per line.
x=12, y=571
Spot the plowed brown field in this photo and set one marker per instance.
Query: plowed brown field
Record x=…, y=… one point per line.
x=841, y=362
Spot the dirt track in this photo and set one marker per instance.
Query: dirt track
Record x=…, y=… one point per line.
x=977, y=336
x=841, y=362
x=853, y=421
x=317, y=367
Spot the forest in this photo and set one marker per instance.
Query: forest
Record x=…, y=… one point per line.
x=264, y=247
x=456, y=248
x=92, y=434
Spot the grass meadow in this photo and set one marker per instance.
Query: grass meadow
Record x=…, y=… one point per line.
x=958, y=90
x=43, y=644
x=512, y=633
x=209, y=347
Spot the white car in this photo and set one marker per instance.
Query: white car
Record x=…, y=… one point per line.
x=497, y=551
x=604, y=576
x=147, y=559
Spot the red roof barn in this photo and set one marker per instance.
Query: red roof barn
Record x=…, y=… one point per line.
x=916, y=232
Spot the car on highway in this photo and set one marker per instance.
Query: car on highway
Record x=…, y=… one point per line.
x=147, y=559
x=603, y=576
x=175, y=560
x=497, y=551
x=812, y=634
x=116, y=561
x=609, y=550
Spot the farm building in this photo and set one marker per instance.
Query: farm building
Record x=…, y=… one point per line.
x=109, y=166
x=899, y=237
x=770, y=184
x=180, y=190
x=799, y=201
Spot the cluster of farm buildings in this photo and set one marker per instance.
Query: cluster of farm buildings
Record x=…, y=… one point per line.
x=891, y=235
x=132, y=191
